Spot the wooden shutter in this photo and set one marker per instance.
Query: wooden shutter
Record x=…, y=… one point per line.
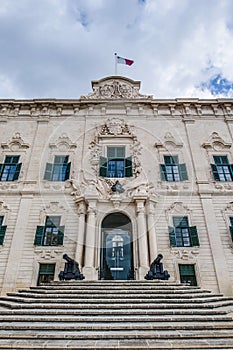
x=163, y=172
x=183, y=172
x=2, y=233
x=67, y=175
x=231, y=171
x=103, y=167
x=48, y=172
x=128, y=167
x=231, y=232
x=172, y=236
x=39, y=235
x=17, y=171
x=215, y=172
x=1, y=167
x=60, y=236
x=194, y=236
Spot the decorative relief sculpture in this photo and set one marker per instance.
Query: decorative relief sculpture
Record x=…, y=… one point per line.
x=116, y=88
x=185, y=254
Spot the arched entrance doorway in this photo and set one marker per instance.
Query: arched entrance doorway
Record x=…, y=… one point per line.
x=116, y=251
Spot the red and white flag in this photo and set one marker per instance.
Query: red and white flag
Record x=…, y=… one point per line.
x=124, y=60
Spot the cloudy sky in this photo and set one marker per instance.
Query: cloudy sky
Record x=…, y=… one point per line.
x=54, y=48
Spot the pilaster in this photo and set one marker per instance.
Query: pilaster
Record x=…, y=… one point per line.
x=142, y=238
x=89, y=268
x=17, y=245
x=219, y=260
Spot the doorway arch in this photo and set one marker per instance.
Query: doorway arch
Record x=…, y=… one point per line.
x=116, y=250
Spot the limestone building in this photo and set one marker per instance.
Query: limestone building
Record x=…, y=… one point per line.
x=112, y=179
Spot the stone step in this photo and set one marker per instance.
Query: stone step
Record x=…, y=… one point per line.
x=118, y=299
x=102, y=286
x=114, y=319
x=122, y=344
x=129, y=295
x=115, y=305
x=107, y=312
x=115, y=315
x=159, y=333
x=137, y=291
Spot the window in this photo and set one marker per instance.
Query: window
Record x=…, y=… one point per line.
x=59, y=170
x=52, y=234
x=116, y=165
x=187, y=274
x=2, y=230
x=10, y=169
x=181, y=234
x=222, y=170
x=46, y=273
x=171, y=170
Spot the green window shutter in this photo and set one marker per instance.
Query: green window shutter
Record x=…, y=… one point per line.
x=67, y=171
x=128, y=167
x=163, y=172
x=2, y=233
x=39, y=235
x=194, y=236
x=215, y=172
x=103, y=167
x=183, y=172
x=60, y=236
x=231, y=232
x=231, y=170
x=48, y=171
x=172, y=236
x=17, y=171
x=1, y=167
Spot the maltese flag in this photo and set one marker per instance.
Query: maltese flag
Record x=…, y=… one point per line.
x=124, y=60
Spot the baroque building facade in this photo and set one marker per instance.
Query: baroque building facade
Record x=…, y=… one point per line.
x=112, y=179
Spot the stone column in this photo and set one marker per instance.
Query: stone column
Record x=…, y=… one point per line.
x=11, y=282
x=80, y=234
x=153, y=248
x=89, y=268
x=142, y=239
x=221, y=269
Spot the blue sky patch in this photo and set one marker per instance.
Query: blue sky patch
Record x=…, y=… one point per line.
x=218, y=85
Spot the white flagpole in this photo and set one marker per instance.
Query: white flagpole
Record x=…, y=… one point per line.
x=115, y=63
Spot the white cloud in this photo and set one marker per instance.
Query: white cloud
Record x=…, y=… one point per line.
x=54, y=48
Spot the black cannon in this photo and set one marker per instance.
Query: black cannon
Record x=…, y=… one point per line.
x=156, y=270
x=71, y=270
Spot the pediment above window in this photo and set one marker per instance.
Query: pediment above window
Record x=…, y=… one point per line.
x=116, y=87
x=63, y=143
x=178, y=208
x=15, y=144
x=169, y=143
x=215, y=142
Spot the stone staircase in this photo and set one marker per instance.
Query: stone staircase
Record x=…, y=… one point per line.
x=116, y=315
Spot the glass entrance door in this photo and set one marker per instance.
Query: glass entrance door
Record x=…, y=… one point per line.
x=116, y=255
